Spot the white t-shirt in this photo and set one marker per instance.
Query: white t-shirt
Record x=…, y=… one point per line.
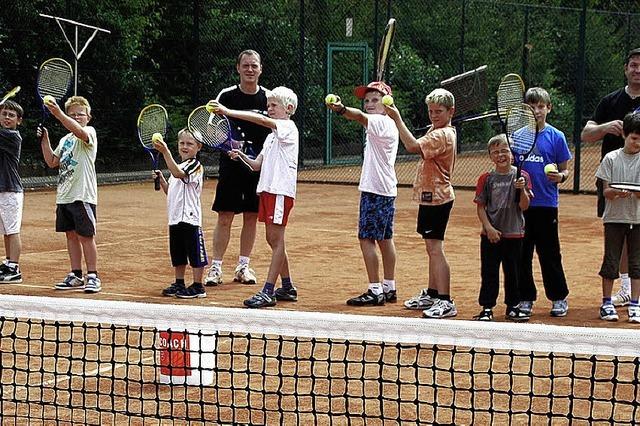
x=617, y=166
x=378, y=172
x=183, y=195
x=279, y=170
x=77, y=170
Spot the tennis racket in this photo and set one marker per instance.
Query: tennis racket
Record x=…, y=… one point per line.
x=522, y=132
x=626, y=186
x=213, y=131
x=54, y=79
x=509, y=94
x=10, y=94
x=152, y=119
x=385, y=45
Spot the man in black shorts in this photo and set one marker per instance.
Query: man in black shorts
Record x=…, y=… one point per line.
x=606, y=125
x=236, y=189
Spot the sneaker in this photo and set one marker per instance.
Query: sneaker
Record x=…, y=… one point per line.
x=526, y=307
x=10, y=275
x=559, y=308
x=244, y=274
x=214, y=276
x=93, y=284
x=290, y=295
x=634, y=313
x=622, y=297
x=485, y=315
x=514, y=313
x=192, y=292
x=71, y=282
x=608, y=312
x=391, y=296
x=441, y=309
x=173, y=289
x=368, y=298
x=260, y=300
x=421, y=301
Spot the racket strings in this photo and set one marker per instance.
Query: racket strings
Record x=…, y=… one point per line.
x=521, y=128
x=152, y=121
x=509, y=94
x=54, y=80
x=210, y=129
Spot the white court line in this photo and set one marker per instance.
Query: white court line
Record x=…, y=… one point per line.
x=64, y=250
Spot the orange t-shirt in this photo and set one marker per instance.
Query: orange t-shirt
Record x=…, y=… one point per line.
x=433, y=180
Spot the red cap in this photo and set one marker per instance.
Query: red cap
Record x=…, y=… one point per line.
x=379, y=86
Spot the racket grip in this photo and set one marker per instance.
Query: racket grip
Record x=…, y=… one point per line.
x=156, y=182
x=518, y=191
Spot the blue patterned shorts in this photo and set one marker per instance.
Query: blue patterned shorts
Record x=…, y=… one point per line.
x=376, y=216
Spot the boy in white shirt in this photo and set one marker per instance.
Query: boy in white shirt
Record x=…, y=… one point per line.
x=186, y=241
x=378, y=191
x=77, y=194
x=278, y=165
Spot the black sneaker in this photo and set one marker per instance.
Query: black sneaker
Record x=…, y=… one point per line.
x=391, y=296
x=290, y=294
x=173, y=289
x=10, y=275
x=485, y=315
x=192, y=292
x=260, y=300
x=367, y=298
x=515, y=314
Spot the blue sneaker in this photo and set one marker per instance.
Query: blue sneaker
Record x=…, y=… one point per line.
x=71, y=282
x=526, y=307
x=290, y=295
x=192, y=292
x=173, y=289
x=559, y=308
x=608, y=312
x=260, y=300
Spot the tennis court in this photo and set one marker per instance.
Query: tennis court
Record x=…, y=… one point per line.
x=273, y=367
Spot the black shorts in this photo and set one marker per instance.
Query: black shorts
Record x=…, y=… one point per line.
x=432, y=221
x=77, y=216
x=236, y=192
x=186, y=242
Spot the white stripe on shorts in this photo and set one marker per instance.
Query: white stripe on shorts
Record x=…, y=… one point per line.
x=90, y=215
x=278, y=210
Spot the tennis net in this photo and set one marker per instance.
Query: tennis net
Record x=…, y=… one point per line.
x=78, y=361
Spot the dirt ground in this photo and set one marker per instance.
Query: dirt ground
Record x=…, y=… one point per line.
x=325, y=258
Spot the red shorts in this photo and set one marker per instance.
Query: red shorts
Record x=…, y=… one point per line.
x=274, y=209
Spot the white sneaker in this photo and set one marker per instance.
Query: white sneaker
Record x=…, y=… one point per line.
x=244, y=274
x=608, y=312
x=622, y=297
x=634, y=313
x=421, y=301
x=214, y=276
x=441, y=309
x=93, y=284
x=70, y=282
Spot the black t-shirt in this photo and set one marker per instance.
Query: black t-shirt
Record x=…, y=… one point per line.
x=253, y=134
x=10, y=146
x=614, y=106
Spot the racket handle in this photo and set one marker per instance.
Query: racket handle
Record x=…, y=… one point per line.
x=156, y=182
x=518, y=191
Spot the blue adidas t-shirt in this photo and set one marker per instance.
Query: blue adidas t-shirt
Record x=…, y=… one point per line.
x=551, y=147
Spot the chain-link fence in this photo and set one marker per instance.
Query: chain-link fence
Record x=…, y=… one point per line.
x=181, y=54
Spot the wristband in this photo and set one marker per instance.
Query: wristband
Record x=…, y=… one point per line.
x=342, y=110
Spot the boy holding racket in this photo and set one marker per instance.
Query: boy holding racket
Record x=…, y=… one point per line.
x=11, y=192
x=378, y=191
x=502, y=230
x=541, y=218
x=77, y=193
x=278, y=165
x=433, y=191
x=186, y=241
x=621, y=218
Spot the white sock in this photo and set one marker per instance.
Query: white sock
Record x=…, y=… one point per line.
x=388, y=285
x=376, y=288
x=625, y=283
x=243, y=260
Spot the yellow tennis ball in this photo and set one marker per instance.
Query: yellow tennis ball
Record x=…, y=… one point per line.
x=48, y=99
x=387, y=100
x=550, y=168
x=156, y=137
x=209, y=108
x=330, y=99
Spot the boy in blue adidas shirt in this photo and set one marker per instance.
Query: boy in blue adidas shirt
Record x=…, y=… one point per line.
x=541, y=218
